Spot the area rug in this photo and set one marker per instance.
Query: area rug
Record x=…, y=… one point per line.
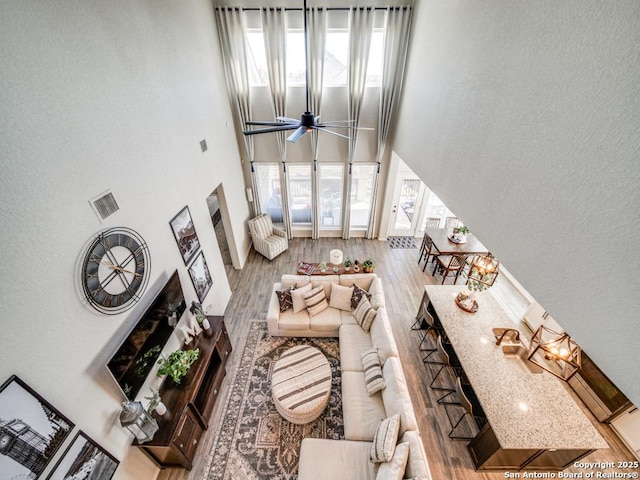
x=253, y=441
x=401, y=242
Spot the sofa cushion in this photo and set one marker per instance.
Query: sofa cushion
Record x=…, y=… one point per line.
x=417, y=465
x=294, y=321
x=372, y=371
x=288, y=280
x=360, y=279
x=382, y=336
x=297, y=296
x=385, y=439
x=377, y=293
x=361, y=413
x=284, y=298
x=348, y=318
x=365, y=314
x=341, y=297
x=357, y=295
x=394, y=468
x=325, y=283
x=396, y=395
x=315, y=301
x=335, y=459
x=327, y=320
x=353, y=342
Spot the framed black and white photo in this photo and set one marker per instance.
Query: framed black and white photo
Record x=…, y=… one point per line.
x=200, y=277
x=31, y=430
x=185, y=234
x=84, y=459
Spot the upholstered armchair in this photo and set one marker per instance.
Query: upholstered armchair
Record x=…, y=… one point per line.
x=267, y=239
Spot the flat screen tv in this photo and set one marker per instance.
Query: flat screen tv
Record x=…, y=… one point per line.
x=132, y=362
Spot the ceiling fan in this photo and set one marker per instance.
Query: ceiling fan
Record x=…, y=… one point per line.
x=308, y=120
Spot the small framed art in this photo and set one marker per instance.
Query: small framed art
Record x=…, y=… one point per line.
x=85, y=459
x=31, y=430
x=185, y=234
x=200, y=277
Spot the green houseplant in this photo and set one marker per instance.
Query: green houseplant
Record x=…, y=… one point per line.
x=177, y=364
x=347, y=264
x=368, y=265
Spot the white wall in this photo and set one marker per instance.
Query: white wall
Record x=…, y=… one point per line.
x=523, y=117
x=95, y=96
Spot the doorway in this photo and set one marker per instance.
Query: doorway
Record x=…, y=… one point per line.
x=217, y=212
x=407, y=202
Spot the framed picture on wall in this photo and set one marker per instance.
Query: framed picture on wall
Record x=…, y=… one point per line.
x=31, y=430
x=85, y=459
x=200, y=277
x=185, y=234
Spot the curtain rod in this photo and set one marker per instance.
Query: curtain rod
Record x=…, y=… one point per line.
x=298, y=9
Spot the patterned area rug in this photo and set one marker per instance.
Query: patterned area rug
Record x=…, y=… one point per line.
x=253, y=441
x=402, y=242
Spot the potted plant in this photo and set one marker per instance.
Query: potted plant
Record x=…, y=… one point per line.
x=459, y=234
x=323, y=266
x=347, y=264
x=368, y=265
x=201, y=318
x=177, y=364
x=356, y=266
x=155, y=403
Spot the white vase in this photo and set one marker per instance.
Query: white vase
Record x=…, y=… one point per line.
x=205, y=324
x=161, y=409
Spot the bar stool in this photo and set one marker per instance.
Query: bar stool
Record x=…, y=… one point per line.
x=472, y=408
x=443, y=362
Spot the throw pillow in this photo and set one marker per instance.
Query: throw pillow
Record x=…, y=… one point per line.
x=297, y=296
x=357, y=295
x=284, y=298
x=365, y=314
x=372, y=371
x=394, y=469
x=316, y=301
x=340, y=297
x=384, y=441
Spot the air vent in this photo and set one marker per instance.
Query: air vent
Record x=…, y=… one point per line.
x=104, y=205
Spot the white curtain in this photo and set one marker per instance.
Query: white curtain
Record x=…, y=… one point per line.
x=274, y=32
x=316, y=24
x=231, y=28
x=360, y=31
x=396, y=41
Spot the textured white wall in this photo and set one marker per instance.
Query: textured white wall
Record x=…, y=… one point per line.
x=98, y=95
x=523, y=117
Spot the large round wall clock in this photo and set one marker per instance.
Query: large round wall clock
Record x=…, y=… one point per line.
x=115, y=270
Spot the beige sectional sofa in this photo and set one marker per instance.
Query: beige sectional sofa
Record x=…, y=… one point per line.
x=349, y=459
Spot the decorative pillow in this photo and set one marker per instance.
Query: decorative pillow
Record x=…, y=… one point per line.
x=394, y=469
x=365, y=314
x=297, y=296
x=340, y=297
x=384, y=441
x=284, y=298
x=316, y=301
x=372, y=371
x=357, y=295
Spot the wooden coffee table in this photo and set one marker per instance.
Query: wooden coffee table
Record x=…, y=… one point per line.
x=301, y=384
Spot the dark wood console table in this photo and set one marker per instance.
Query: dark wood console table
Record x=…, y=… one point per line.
x=190, y=403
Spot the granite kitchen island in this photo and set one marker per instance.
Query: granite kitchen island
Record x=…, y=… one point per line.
x=533, y=422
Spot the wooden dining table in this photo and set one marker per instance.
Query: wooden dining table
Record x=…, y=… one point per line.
x=440, y=237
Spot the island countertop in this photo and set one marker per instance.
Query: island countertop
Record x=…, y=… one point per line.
x=525, y=410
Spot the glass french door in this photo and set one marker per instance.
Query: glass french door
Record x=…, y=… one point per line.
x=408, y=195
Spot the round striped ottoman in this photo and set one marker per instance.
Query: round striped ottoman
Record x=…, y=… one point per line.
x=301, y=384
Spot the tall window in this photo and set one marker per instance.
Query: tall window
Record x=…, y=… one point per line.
x=300, y=193
x=362, y=178
x=330, y=194
x=268, y=176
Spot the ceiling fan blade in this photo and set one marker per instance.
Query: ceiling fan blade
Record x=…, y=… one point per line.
x=272, y=124
x=288, y=120
x=324, y=125
x=267, y=130
x=297, y=135
x=338, y=122
x=332, y=133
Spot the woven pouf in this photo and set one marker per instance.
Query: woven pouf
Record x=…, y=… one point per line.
x=301, y=384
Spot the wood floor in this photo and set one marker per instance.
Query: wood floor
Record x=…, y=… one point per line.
x=404, y=284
